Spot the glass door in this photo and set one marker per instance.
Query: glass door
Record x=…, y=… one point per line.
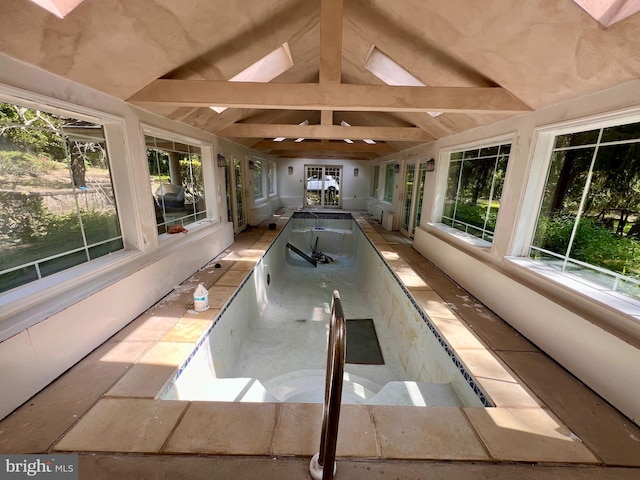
x=236, y=205
x=322, y=187
x=412, y=196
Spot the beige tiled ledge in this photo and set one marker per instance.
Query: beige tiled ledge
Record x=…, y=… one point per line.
x=376, y=432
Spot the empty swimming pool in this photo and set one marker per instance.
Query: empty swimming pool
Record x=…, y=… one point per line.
x=269, y=343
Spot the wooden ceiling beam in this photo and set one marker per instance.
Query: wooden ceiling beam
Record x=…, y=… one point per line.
x=270, y=146
x=332, y=96
x=318, y=132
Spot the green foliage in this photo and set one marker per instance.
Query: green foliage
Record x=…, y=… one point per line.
x=22, y=217
x=34, y=232
x=30, y=131
x=192, y=171
x=21, y=164
x=476, y=215
x=593, y=244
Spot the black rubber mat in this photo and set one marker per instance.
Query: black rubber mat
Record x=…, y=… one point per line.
x=362, y=342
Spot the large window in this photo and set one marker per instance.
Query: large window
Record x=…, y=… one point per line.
x=176, y=182
x=388, y=182
x=375, y=181
x=264, y=178
x=57, y=207
x=271, y=178
x=474, y=188
x=589, y=220
x=258, y=179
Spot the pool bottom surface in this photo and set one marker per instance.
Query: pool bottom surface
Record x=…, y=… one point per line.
x=287, y=344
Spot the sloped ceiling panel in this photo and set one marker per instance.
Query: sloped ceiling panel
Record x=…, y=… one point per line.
x=539, y=53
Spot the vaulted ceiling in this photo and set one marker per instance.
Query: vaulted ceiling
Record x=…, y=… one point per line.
x=473, y=62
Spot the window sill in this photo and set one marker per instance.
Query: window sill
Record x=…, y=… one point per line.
x=51, y=294
x=605, y=307
x=192, y=228
x=599, y=293
x=460, y=235
x=24, y=306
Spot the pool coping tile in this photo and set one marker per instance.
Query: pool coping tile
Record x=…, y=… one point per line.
x=124, y=425
x=224, y=428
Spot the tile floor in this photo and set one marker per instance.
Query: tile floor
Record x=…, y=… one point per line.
x=547, y=424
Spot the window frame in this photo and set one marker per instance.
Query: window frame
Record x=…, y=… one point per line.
x=20, y=307
x=443, y=176
x=375, y=182
x=526, y=223
x=389, y=198
x=206, y=157
x=272, y=180
x=71, y=112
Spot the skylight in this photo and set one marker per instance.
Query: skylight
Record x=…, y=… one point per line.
x=390, y=72
x=265, y=69
x=298, y=140
x=60, y=8
x=365, y=140
x=608, y=12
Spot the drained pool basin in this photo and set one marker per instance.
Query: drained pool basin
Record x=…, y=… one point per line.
x=269, y=342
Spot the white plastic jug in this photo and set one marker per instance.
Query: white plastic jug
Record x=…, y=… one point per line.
x=201, y=299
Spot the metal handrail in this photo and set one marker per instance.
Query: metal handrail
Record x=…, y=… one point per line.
x=336, y=354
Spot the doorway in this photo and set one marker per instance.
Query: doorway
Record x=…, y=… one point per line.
x=236, y=204
x=412, y=196
x=322, y=186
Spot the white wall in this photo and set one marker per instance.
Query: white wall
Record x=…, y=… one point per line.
x=47, y=326
x=593, y=340
x=263, y=209
x=354, y=190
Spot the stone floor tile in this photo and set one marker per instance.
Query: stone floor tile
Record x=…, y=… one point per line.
x=164, y=467
x=245, y=265
x=166, y=353
x=487, y=325
x=456, y=332
x=210, y=314
x=37, y=424
x=527, y=435
x=153, y=371
x=187, y=330
x=611, y=435
x=261, y=245
x=147, y=327
x=225, y=428
x=416, y=470
x=432, y=303
x=503, y=387
x=181, y=467
x=125, y=352
x=124, y=425
x=410, y=279
x=142, y=381
x=231, y=278
x=426, y=433
x=355, y=434
x=289, y=438
x=219, y=296
x=207, y=275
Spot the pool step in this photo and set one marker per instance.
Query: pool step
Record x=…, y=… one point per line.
x=224, y=390
x=307, y=386
x=417, y=394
